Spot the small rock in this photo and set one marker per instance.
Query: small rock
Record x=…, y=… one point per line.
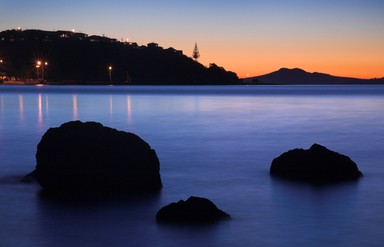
x=317, y=164
x=194, y=210
x=29, y=178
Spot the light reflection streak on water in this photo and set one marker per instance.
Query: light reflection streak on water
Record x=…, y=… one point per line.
x=40, y=109
x=21, y=107
x=110, y=105
x=75, y=109
x=46, y=105
x=129, y=109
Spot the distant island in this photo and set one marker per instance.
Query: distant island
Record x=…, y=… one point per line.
x=66, y=57
x=297, y=76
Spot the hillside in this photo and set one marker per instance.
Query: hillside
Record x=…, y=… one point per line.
x=78, y=58
x=298, y=76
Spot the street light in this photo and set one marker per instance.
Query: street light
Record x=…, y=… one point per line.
x=37, y=71
x=110, y=74
x=2, y=73
x=40, y=64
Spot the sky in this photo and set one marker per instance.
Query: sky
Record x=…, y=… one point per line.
x=249, y=37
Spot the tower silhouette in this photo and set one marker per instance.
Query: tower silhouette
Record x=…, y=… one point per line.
x=196, y=53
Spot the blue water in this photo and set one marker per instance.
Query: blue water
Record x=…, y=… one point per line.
x=216, y=142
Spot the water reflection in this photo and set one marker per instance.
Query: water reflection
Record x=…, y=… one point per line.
x=310, y=208
x=80, y=219
x=40, y=109
x=21, y=107
x=239, y=134
x=75, y=111
x=110, y=105
x=46, y=105
x=129, y=109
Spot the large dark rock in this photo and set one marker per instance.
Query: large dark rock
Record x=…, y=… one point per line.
x=82, y=157
x=317, y=164
x=194, y=210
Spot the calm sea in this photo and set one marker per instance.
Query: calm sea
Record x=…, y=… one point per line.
x=216, y=142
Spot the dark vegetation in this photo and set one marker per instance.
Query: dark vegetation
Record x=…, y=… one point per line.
x=76, y=58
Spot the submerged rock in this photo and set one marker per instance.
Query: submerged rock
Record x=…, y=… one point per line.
x=317, y=164
x=193, y=210
x=81, y=157
x=29, y=178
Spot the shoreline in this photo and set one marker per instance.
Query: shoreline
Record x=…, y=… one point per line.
x=23, y=83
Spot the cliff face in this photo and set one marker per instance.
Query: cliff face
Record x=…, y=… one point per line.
x=79, y=58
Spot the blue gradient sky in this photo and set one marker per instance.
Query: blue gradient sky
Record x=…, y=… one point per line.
x=249, y=37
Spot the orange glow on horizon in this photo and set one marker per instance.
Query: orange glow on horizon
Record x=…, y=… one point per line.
x=351, y=56
x=344, y=65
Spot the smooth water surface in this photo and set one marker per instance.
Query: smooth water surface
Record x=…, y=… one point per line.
x=216, y=142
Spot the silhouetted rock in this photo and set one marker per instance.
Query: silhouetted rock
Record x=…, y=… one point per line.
x=298, y=76
x=317, y=164
x=29, y=178
x=87, y=157
x=194, y=210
